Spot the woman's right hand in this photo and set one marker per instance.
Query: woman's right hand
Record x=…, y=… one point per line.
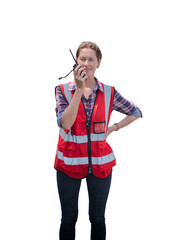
x=80, y=77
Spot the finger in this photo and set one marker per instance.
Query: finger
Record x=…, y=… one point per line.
x=78, y=68
x=84, y=77
x=81, y=71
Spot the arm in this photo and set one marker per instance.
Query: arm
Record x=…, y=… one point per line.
x=69, y=115
x=124, y=106
x=123, y=123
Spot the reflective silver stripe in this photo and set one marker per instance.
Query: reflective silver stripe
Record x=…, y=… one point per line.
x=72, y=161
x=67, y=93
x=84, y=160
x=98, y=137
x=72, y=138
x=102, y=160
x=81, y=139
x=107, y=95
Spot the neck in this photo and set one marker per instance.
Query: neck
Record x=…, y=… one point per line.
x=90, y=83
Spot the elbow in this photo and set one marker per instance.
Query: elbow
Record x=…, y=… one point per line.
x=137, y=113
x=66, y=126
x=66, y=122
x=63, y=123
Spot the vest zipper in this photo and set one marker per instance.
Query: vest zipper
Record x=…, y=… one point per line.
x=89, y=149
x=88, y=127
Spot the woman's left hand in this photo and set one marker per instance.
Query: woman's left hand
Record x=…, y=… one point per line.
x=111, y=129
x=123, y=123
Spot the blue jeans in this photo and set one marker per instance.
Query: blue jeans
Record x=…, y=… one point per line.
x=98, y=190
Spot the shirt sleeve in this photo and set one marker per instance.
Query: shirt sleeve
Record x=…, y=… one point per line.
x=61, y=104
x=125, y=106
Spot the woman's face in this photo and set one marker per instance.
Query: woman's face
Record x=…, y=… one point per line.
x=87, y=59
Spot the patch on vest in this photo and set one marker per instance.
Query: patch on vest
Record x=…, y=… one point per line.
x=99, y=127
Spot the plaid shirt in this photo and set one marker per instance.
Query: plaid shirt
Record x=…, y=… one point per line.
x=120, y=104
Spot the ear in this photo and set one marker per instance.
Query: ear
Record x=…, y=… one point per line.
x=99, y=63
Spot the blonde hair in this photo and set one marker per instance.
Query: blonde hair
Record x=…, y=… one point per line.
x=92, y=46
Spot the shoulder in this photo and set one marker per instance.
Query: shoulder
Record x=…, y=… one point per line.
x=103, y=85
x=108, y=88
x=57, y=88
x=61, y=87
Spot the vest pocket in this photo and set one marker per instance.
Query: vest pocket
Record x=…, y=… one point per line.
x=66, y=146
x=99, y=127
x=103, y=148
x=70, y=146
x=101, y=144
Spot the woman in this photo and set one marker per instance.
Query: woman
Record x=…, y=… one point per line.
x=83, y=110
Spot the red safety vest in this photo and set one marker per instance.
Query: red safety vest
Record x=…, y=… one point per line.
x=83, y=149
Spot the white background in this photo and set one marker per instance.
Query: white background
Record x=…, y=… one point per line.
x=141, y=58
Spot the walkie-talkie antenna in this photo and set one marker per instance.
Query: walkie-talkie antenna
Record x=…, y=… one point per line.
x=73, y=56
x=74, y=66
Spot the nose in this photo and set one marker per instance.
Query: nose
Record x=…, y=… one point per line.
x=86, y=63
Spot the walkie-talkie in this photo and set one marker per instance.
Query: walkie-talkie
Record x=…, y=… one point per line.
x=74, y=66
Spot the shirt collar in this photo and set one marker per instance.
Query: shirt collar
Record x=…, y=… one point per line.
x=72, y=86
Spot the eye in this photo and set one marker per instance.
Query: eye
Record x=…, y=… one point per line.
x=82, y=59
